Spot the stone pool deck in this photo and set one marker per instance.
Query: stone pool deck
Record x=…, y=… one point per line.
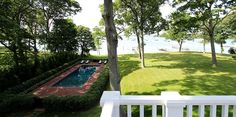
x=48, y=89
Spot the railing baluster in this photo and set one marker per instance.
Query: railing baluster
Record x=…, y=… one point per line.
x=141, y=110
x=234, y=111
x=213, y=111
x=129, y=112
x=154, y=110
x=201, y=110
x=189, y=110
x=225, y=110
x=163, y=111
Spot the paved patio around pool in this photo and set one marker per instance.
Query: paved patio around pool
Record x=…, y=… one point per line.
x=48, y=89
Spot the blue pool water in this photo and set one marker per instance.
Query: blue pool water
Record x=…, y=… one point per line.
x=78, y=77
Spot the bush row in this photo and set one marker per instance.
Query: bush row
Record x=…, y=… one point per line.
x=10, y=77
x=21, y=102
x=83, y=102
x=35, y=82
x=15, y=103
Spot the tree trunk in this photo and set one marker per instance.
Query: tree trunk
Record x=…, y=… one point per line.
x=138, y=41
x=211, y=35
x=36, y=60
x=15, y=58
x=204, y=46
x=213, y=53
x=112, y=42
x=142, y=50
x=222, y=48
x=180, y=45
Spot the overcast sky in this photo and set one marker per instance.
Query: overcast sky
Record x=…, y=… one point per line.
x=90, y=14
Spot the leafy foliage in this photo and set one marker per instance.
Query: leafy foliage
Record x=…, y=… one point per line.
x=85, y=40
x=209, y=13
x=63, y=36
x=180, y=27
x=98, y=36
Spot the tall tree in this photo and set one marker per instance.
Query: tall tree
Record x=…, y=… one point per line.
x=13, y=34
x=179, y=28
x=210, y=13
x=55, y=9
x=112, y=41
x=144, y=17
x=63, y=36
x=98, y=36
x=85, y=40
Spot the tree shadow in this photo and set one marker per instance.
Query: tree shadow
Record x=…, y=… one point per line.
x=126, y=65
x=191, y=62
x=202, y=85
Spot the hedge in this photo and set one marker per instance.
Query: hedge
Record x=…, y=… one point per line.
x=33, y=83
x=11, y=76
x=16, y=103
x=83, y=102
x=21, y=102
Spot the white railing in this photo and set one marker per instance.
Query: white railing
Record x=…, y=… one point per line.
x=172, y=103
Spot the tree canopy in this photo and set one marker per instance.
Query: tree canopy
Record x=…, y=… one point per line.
x=63, y=36
x=210, y=13
x=85, y=40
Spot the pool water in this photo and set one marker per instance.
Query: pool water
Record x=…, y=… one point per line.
x=78, y=77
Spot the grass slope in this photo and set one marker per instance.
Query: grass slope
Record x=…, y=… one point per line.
x=189, y=73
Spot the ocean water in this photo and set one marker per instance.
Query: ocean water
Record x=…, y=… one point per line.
x=154, y=44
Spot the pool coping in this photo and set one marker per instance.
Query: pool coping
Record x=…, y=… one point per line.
x=48, y=89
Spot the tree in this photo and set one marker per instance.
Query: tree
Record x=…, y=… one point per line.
x=85, y=40
x=205, y=40
x=179, y=28
x=210, y=13
x=112, y=41
x=63, y=36
x=143, y=17
x=13, y=34
x=225, y=30
x=98, y=36
x=23, y=22
x=55, y=9
x=221, y=35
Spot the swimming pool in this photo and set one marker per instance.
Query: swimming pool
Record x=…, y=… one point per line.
x=78, y=77
x=74, y=81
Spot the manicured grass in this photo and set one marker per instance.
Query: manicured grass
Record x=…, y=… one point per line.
x=188, y=72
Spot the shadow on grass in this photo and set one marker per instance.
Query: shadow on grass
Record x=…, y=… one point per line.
x=191, y=62
x=203, y=85
x=127, y=66
x=218, y=80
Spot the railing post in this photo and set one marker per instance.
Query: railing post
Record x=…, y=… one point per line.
x=111, y=97
x=173, y=104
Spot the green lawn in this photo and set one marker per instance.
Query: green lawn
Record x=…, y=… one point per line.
x=188, y=73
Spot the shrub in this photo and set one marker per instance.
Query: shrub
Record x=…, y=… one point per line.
x=14, y=103
x=232, y=50
x=83, y=102
x=10, y=77
x=33, y=83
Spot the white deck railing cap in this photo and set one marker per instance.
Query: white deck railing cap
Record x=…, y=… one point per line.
x=110, y=96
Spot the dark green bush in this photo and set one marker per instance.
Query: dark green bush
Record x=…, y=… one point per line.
x=232, y=50
x=14, y=103
x=33, y=83
x=11, y=76
x=83, y=102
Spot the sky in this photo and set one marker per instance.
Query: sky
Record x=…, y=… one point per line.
x=91, y=15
